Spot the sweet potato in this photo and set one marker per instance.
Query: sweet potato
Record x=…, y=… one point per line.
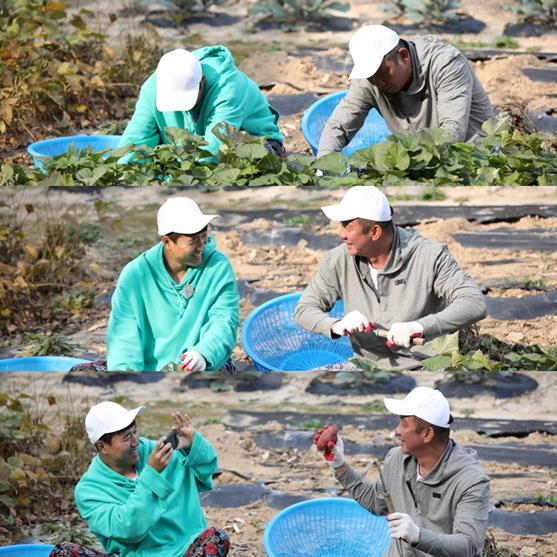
x=326, y=437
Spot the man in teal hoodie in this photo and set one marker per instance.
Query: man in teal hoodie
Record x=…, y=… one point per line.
x=177, y=303
x=141, y=497
x=195, y=91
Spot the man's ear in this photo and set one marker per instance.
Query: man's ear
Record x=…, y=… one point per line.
x=429, y=434
x=375, y=232
x=165, y=240
x=100, y=446
x=404, y=56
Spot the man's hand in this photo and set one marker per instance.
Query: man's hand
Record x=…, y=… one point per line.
x=353, y=321
x=403, y=528
x=192, y=360
x=184, y=429
x=403, y=333
x=160, y=457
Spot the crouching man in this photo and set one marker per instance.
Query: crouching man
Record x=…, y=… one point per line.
x=141, y=497
x=439, y=491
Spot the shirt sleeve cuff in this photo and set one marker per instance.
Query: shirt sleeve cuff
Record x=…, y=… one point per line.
x=200, y=452
x=155, y=482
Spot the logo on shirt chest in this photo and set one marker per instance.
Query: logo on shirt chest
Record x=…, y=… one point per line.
x=398, y=282
x=188, y=291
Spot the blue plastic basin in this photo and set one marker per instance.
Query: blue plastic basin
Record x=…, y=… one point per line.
x=274, y=342
x=40, y=363
x=315, y=117
x=325, y=528
x=59, y=145
x=26, y=550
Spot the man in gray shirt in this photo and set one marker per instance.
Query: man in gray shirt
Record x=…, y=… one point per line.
x=414, y=85
x=434, y=492
x=391, y=277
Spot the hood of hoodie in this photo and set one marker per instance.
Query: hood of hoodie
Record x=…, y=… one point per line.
x=216, y=61
x=405, y=242
x=422, y=52
x=454, y=459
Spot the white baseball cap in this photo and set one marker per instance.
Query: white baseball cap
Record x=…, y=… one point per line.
x=108, y=417
x=368, y=47
x=364, y=202
x=428, y=404
x=178, y=76
x=181, y=215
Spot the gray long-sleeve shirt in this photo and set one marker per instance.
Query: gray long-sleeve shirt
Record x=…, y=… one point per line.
x=450, y=505
x=444, y=93
x=421, y=282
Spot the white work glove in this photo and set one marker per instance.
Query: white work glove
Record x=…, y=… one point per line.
x=353, y=321
x=403, y=528
x=403, y=333
x=335, y=456
x=192, y=360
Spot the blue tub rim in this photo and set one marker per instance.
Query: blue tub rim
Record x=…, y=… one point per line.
x=321, y=501
x=26, y=546
x=24, y=359
x=31, y=149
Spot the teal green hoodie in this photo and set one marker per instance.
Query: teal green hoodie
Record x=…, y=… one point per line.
x=158, y=514
x=153, y=322
x=229, y=96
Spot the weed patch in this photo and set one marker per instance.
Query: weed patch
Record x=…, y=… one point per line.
x=39, y=465
x=43, y=279
x=50, y=59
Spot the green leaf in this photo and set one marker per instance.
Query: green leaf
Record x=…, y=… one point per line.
x=390, y=155
x=442, y=361
x=225, y=177
x=251, y=151
x=332, y=163
x=267, y=180
x=445, y=344
x=364, y=364
x=495, y=126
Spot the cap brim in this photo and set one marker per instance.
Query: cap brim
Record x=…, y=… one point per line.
x=192, y=227
x=338, y=213
x=176, y=102
x=364, y=71
x=133, y=415
x=396, y=407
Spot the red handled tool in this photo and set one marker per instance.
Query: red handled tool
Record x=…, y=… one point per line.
x=417, y=339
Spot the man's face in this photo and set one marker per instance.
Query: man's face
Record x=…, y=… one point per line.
x=410, y=440
x=392, y=75
x=122, y=452
x=356, y=240
x=188, y=248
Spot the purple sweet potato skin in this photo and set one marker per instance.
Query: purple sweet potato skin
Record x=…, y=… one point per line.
x=326, y=437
